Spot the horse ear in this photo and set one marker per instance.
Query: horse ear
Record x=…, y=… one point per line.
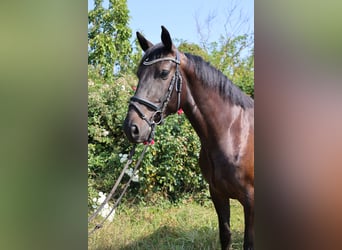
x=144, y=43
x=166, y=38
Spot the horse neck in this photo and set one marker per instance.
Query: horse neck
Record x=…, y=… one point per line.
x=207, y=111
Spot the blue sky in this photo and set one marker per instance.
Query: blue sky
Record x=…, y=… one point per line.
x=179, y=17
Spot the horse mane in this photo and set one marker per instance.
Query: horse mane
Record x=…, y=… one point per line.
x=212, y=78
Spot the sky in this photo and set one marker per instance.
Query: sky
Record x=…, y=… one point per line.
x=179, y=17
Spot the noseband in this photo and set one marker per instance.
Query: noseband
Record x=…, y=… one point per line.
x=176, y=82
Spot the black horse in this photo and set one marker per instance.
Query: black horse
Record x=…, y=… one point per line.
x=221, y=114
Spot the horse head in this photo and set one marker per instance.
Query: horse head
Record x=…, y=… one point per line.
x=158, y=93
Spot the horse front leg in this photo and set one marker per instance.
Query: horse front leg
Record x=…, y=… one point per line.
x=248, y=207
x=222, y=207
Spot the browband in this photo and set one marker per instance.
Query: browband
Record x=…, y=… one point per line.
x=175, y=60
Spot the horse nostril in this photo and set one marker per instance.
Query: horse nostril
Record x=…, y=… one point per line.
x=134, y=130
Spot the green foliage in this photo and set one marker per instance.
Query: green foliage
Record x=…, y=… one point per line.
x=243, y=75
x=108, y=37
x=235, y=58
x=194, y=49
x=135, y=57
x=171, y=165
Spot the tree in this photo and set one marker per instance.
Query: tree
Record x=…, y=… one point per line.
x=194, y=49
x=109, y=48
x=229, y=56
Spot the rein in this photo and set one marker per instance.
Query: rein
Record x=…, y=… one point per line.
x=129, y=161
x=157, y=118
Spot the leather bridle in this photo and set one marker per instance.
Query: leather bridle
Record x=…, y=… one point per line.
x=176, y=82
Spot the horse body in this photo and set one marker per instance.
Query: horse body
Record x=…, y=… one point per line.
x=222, y=116
x=226, y=132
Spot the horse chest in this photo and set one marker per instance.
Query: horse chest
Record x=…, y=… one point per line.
x=221, y=172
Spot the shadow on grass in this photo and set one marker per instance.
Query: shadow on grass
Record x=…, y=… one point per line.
x=175, y=238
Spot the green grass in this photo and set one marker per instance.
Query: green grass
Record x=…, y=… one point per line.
x=186, y=225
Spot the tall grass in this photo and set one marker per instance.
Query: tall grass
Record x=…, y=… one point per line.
x=165, y=226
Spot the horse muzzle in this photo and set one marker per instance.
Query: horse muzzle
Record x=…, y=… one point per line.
x=136, y=130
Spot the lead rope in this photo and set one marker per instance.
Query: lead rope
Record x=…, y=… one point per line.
x=129, y=161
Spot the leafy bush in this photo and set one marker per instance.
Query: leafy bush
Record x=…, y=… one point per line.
x=170, y=165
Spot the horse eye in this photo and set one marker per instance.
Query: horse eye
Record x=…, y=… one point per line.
x=164, y=74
